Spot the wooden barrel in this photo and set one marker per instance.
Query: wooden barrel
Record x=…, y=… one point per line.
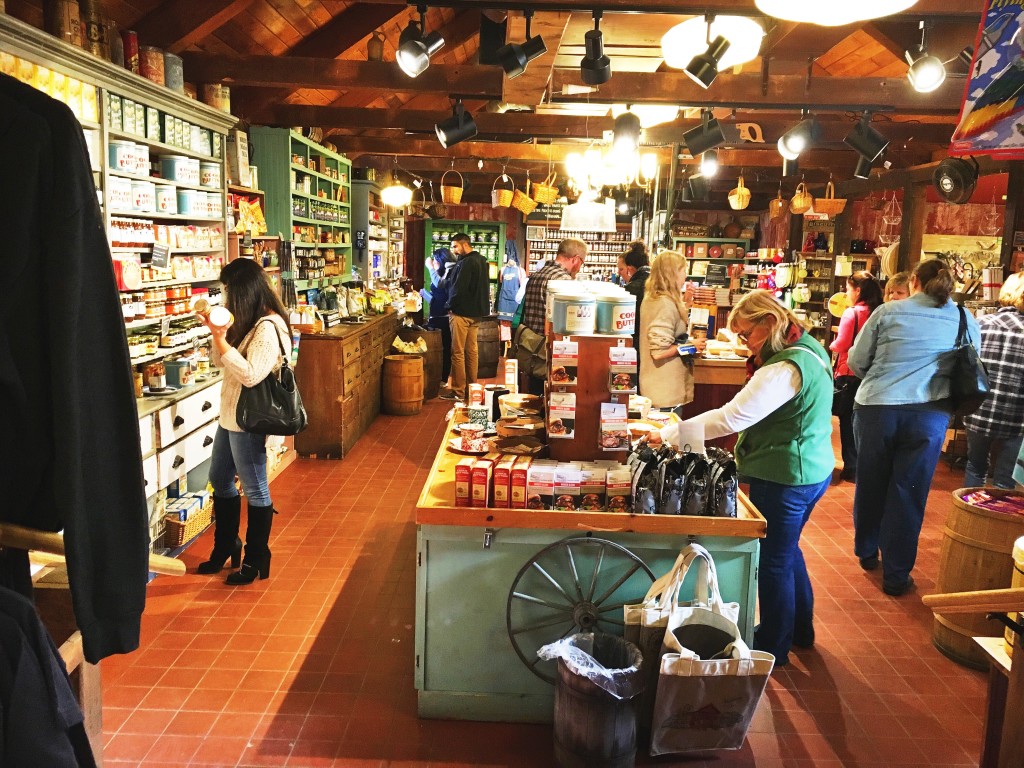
x=403, y=385
x=977, y=554
x=1016, y=581
x=592, y=728
x=431, y=358
x=487, y=345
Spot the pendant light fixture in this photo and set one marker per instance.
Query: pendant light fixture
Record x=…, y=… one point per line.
x=396, y=194
x=514, y=58
x=831, y=13
x=683, y=41
x=595, y=68
x=927, y=72
x=790, y=167
x=459, y=127
x=627, y=133
x=865, y=140
x=416, y=47
x=799, y=137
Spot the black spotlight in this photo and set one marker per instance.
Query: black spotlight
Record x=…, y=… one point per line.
x=865, y=140
x=966, y=56
x=595, y=68
x=790, y=168
x=514, y=57
x=698, y=187
x=863, y=169
x=710, y=134
x=626, y=135
x=703, y=68
x=799, y=137
x=415, y=47
x=459, y=127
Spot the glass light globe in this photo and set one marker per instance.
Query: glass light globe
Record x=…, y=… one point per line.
x=831, y=14
x=684, y=41
x=396, y=195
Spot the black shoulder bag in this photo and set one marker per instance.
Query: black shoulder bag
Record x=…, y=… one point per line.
x=844, y=388
x=968, y=381
x=272, y=407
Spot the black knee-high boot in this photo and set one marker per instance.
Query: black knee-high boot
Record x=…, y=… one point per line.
x=227, y=512
x=257, y=553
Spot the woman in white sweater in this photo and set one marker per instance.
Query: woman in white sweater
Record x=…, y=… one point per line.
x=248, y=351
x=665, y=377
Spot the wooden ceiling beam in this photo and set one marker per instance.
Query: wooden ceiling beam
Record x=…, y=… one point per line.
x=345, y=30
x=356, y=146
x=177, y=24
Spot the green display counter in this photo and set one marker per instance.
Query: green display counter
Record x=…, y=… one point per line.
x=493, y=585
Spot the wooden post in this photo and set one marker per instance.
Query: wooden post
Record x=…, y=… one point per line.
x=1014, y=221
x=1011, y=748
x=912, y=226
x=841, y=235
x=796, y=233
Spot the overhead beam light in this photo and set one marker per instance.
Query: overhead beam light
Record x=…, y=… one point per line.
x=866, y=140
x=927, y=72
x=711, y=133
x=514, y=58
x=416, y=47
x=627, y=133
x=799, y=137
x=683, y=41
x=459, y=127
x=595, y=68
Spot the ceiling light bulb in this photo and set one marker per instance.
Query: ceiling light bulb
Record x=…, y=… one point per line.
x=650, y=114
x=626, y=133
x=623, y=208
x=681, y=43
x=595, y=68
x=459, y=127
x=396, y=194
x=649, y=165
x=799, y=137
x=830, y=14
x=415, y=48
x=703, y=68
x=926, y=72
x=709, y=163
x=784, y=150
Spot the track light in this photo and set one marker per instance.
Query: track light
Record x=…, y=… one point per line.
x=966, y=56
x=799, y=137
x=863, y=169
x=415, y=46
x=627, y=133
x=703, y=68
x=595, y=68
x=459, y=127
x=926, y=72
x=790, y=167
x=711, y=133
x=514, y=57
x=865, y=140
x=744, y=34
x=709, y=164
x=698, y=187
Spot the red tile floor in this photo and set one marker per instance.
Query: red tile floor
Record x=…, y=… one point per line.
x=314, y=667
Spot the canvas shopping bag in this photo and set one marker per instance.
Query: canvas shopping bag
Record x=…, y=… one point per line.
x=709, y=681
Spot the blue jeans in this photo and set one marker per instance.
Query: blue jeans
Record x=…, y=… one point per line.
x=899, y=448
x=244, y=454
x=783, y=586
x=979, y=448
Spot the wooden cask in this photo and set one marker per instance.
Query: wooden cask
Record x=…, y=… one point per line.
x=402, y=385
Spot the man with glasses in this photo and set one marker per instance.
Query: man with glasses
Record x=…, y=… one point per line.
x=569, y=260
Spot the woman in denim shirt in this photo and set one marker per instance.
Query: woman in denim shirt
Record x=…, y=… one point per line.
x=900, y=419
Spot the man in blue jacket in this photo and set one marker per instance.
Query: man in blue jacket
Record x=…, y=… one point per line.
x=443, y=273
x=468, y=303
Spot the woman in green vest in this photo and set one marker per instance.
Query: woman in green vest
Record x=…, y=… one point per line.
x=784, y=419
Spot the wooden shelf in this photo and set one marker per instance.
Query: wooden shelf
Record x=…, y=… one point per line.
x=163, y=182
x=311, y=172
x=336, y=225
x=339, y=203
x=171, y=216
x=159, y=146
x=239, y=190
x=168, y=351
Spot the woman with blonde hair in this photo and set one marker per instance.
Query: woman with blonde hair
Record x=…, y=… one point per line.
x=784, y=419
x=665, y=376
x=897, y=287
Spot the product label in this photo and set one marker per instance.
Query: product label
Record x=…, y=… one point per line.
x=476, y=394
x=579, y=318
x=619, y=484
x=624, y=318
x=614, y=432
x=480, y=493
x=463, y=481
x=592, y=487
x=540, y=484
x=518, y=478
x=503, y=481
x=622, y=370
x=512, y=375
x=565, y=359
x=567, y=487
x=562, y=415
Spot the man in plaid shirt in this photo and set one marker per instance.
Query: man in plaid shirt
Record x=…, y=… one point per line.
x=571, y=255
x=998, y=425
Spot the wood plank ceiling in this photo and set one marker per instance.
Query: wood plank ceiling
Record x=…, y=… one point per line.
x=303, y=62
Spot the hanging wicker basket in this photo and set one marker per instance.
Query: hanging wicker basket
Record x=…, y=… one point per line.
x=502, y=198
x=451, y=194
x=830, y=205
x=802, y=200
x=739, y=198
x=522, y=201
x=545, y=192
x=777, y=207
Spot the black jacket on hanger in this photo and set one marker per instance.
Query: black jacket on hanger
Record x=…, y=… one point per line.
x=71, y=457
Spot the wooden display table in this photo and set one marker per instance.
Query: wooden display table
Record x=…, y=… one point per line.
x=715, y=383
x=468, y=561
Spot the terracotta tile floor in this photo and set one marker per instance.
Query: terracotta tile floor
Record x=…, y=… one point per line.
x=314, y=667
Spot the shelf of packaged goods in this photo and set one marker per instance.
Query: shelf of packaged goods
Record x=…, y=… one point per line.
x=321, y=245
x=715, y=258
x=155, y=320
x=311, y=172
x=92, y=126
x=235, y=189
x=171, y=216
x=168, y=284
x=320, y=282
x=168, y=351
x=159, y=146
x=147, y=249
x=339, y=203
x=303, y=220
x=163, y=182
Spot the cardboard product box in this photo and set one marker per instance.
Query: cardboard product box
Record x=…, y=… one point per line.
x=517, y=482
x=562, y=415
x=114, y=112
x=622, y=370
x=190, y=506
x=503, y=482
x=476, y=394
x=166, y=128
x=238, y=158
x=540, y=484
x=512, y=375
x=730, y=251
x=614, y=431
x=567, y=487
x=619, y=484
x=480, y=493
x=565, y=360
x=178, y=487
x=700, y=250
x=153, y=123
x=140, y=120
x=592, y=487
x=463, y=481
x=218, y=145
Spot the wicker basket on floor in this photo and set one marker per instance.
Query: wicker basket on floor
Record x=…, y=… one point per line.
x=177, y=533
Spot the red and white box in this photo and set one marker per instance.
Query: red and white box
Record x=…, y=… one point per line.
x=483, y=469
x=517, y=481
x=503, y=482
x=463, y=481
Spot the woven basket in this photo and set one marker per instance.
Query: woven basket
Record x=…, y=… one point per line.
x=802, y=200
x=739, y=198
x=777, y=207
x=177, y=533
x=545, y=192
x=449, y=194
x=522, y=201
x=502, y=198
x=830, y=205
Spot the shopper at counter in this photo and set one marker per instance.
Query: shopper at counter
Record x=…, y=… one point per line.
x=784, y=419
x=998, y=425
x=251, y=348
x=468, y=303
x=665, y=377
x=634, y=269
x=901, y=413
x=863, y=294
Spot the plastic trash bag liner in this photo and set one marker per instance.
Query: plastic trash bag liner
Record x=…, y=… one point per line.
x=611, y=663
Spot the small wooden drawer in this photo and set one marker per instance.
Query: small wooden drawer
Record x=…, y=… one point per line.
x=185, y=416
x=349, y=350
x=147, y=435
x=350, y=375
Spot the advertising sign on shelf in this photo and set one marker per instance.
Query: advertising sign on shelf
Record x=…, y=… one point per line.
x=161, y=256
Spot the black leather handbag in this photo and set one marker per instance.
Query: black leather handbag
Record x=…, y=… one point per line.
x=274, y=406
x=844, y=388
x=969, y=384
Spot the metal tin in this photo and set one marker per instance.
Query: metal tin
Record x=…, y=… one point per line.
x=94, y=29
x=151, y=63
x=166, y=199
x=216, y=95
x=143, y=196
x=616, y=313
x=61, y=19
x=174, y=72
x=130, y=42
x=209, y=175
x=574, y=314
x=121, y=156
